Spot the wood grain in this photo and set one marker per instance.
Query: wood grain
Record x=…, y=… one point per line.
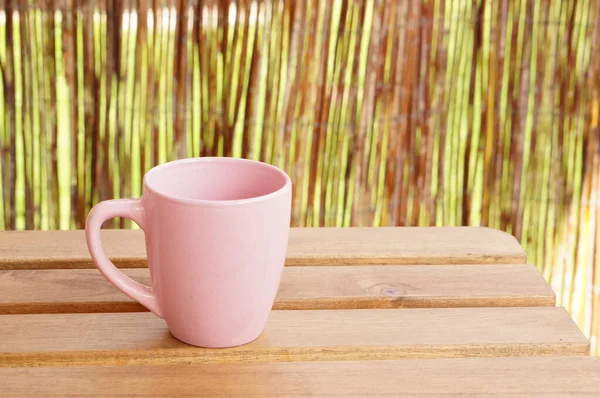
x=142, y=338
x=307, y=246
x=349, y=287
x=559, y=377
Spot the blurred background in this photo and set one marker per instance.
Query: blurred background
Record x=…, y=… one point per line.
x=407, y=112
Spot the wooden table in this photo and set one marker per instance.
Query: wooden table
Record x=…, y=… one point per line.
x=360, y=311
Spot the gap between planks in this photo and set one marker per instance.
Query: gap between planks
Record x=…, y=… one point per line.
x=341, y=287
x=142, y=338
x=307, y=246
x=548, y=377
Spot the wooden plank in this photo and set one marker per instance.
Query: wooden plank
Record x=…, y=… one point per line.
x=307, y=246
x=559, y=377
x=348, y=287
x=142, y=338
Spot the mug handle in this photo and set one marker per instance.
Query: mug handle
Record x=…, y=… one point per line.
x=134, y=210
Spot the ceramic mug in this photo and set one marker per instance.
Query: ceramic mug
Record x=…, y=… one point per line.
x=216, y=238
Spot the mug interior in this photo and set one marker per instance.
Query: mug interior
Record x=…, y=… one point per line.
x=215, y=179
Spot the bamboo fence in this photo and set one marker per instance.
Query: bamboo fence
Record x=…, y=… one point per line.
x=406, y=112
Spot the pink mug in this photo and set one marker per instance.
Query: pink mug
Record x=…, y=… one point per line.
x=216, y=238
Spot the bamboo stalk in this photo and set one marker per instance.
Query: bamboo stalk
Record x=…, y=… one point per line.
x=320, y=131
x=10, y=167
x=181, y=64
x=406, y=92
x=34, y=121
x=26, y=123
x=4, y=128
x=438, y=104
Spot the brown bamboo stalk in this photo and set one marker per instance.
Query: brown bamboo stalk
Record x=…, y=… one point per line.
x=388, y=106
x=123, y=170
x=467, y=171
x=444, y=139
x=423, y=205
x=36, y=117
x=256, y=55
x=517, y=150
x=427, y=114
x=225, y=129
x=211, y=55
x=40, y=100
x=396, y=152
x=9, y=166
x=32, y=216
x=181, y=63
x=110, y=46
x=150, y=153
x=91, y=110
x=505, y=127
x=203, y=57
x=564, y=77
x=499, y=32
x=503, y=208
x=406, y=104
x=303, y=133
x=415, y=125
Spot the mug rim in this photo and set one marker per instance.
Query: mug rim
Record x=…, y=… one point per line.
x=208, y=202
